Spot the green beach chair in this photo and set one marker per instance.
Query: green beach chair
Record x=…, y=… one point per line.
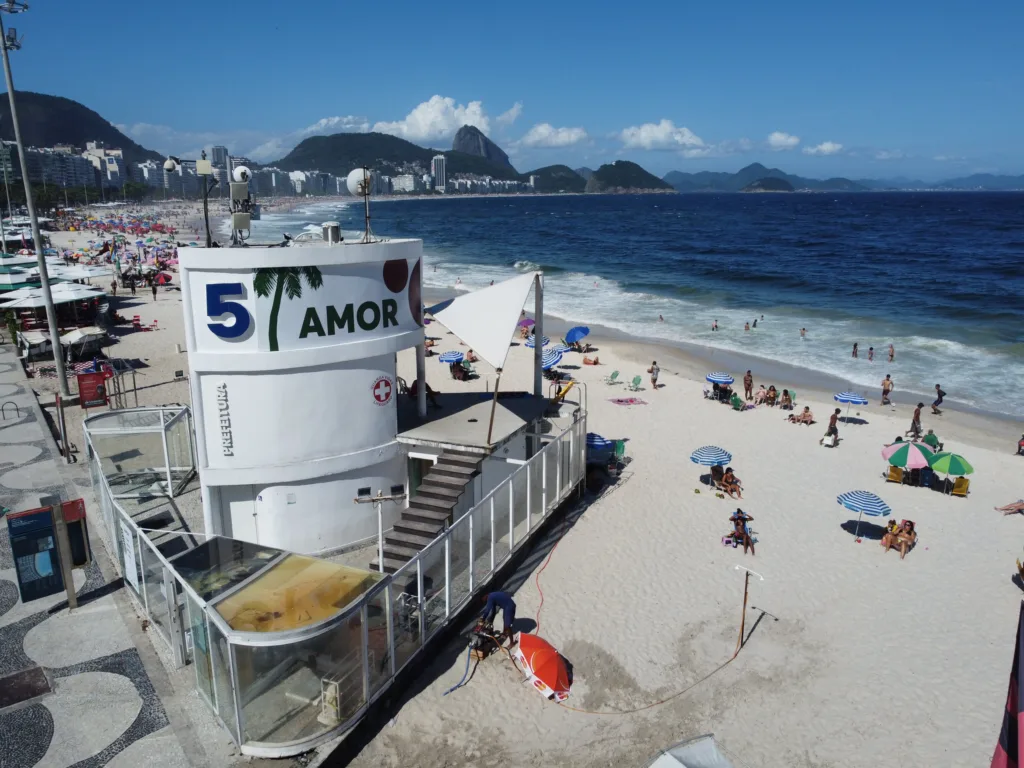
x=468, y=367
x=634, y=386
x=613, y=379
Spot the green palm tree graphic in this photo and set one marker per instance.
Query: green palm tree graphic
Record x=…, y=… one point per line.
x=287, y=280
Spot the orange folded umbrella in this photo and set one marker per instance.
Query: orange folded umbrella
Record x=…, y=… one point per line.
x=543, y=666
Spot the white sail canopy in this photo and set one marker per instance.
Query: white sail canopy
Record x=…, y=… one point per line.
x=486, y=319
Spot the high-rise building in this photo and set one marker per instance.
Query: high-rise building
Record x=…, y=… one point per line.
x=437, y=169
x=219, y=156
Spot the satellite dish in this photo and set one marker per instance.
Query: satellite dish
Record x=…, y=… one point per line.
x=358, y=182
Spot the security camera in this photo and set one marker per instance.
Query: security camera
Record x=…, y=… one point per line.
x=170, y=165
x=241, y=174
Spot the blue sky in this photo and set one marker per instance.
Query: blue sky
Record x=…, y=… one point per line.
x=923, y=89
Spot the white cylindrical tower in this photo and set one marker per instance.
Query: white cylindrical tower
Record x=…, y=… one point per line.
x=292, y=357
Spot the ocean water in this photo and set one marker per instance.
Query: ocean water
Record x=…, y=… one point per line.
x=938, y=275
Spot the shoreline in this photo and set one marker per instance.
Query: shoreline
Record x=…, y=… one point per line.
x=693, y=362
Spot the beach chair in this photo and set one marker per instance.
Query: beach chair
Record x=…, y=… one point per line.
x=960, y=487
x=620, y=450
x=634, y=385
x=613, y=379
x=468, y=368
x=136, y=324
x=895, y=475
x=792, y=396
x=153, y=325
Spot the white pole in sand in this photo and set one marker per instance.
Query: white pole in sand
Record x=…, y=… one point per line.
x=51, y=313
x=538, y=335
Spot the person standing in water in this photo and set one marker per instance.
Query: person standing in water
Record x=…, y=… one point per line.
x=871, y=354
x=714, y=325
x=892, y=353
x=803, y=333
x=855, y=349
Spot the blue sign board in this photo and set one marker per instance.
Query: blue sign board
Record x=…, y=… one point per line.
x=36, y=558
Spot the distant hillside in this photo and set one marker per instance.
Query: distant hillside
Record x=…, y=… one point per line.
x=470, y=140
x=711, y=181
x=986, y=181
x=624, y=176
x=768, y=185
x=585, y=172
x=557, y=178
x=48, y=120
x=341, y=152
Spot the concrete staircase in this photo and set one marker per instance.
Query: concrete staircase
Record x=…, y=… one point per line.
x=430, y=510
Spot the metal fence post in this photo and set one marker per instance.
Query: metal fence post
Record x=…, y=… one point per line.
x=511, y=518
x=544, y=482
x=492, y=533
x=447, y=575
x=529, y=495
x=471, y=516
x=364, y=638
x=391, y=629
x=422, y=600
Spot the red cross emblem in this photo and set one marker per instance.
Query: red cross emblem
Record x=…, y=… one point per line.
x=382, y=389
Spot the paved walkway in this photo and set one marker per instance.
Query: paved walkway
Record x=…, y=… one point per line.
x=102, y=708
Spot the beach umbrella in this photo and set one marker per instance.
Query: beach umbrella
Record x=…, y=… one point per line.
x=543, y=666
x=720, y=378
x=850, y=398
x=711, y=456
x=561, y=348
x=544, y=341
x=909, y=455
x=950, y=464
x=550, y=359
x=863, y=503
x=450, y=357
x=526, y=322
x=577, y=333
x=594, y=440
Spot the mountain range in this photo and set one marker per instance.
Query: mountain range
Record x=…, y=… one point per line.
x=50, y=120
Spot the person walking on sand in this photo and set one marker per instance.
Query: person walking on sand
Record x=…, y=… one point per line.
x=154, y=290
x=887, y=386
x=833, y=428
x=915, y=423
x=748, y=386
x=113, y=288
x=855, y=349
x=892, y=353
x=131, y=284
x=938, y=400
x=654, y=370
x=871, y=354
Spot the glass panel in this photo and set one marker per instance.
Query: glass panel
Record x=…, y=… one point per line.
x=432, y=565
x=133, y=463
x=179, y=452
x=379, y=650
x=501, y=531
x=156, y=596
x=519, y=503
x=565, y=457
x=218, y=564
x=405, y=613
x=459, y=569
x=127, y=553
x=296, y=691
x=482, y=541
x=200, y=649
x=536, y=490
x=551, y=474
x=222, y=679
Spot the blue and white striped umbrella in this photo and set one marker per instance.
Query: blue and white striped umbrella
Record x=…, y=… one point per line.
x=720, y=378
x=550, y=359
x=450, y=357
x=863, y=503
x=530, y=341
x=561, y=348
x=594, y=440
x=850, y=398
x=710, y=456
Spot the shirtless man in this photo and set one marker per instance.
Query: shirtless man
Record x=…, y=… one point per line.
x=748, y=386
x=887, y=386
x=833, y=427
x=915, y=422
x=892, y=353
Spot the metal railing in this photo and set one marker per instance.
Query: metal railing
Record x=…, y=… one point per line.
x=284, y=693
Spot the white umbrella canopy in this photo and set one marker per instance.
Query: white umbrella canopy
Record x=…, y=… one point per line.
x=83, y=335
x=63, y=293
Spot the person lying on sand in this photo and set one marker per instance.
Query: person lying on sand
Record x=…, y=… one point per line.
x=804, y=417
x=588, y=361
x=731, y=484
x=1009, y=509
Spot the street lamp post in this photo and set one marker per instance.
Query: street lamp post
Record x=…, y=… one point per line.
x=10, y=41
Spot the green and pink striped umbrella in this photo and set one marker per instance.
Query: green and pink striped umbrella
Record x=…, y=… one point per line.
x=908, y=455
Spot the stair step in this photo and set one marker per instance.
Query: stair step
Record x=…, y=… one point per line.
x=455, y=483
x=427, y=502
x=461, y=459
x=398, y=552
x=439, y=492
x=390, y=566
x=402, y=539
x=454, y=470
x=431, y=530
x=434, y=516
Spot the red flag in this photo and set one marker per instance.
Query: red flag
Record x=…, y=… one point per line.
x=1008, y=749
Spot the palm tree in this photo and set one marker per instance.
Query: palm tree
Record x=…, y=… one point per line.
x=286, y=280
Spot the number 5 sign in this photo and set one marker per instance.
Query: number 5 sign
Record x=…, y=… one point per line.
x=217, y=306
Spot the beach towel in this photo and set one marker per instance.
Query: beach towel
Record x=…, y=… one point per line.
x=627, y=401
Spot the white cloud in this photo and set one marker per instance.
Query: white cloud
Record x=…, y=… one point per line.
x=279, y=146
x=510, y=115
x=779, y=140
x=698, y=152
x=663, y=135
x=546, y=135
x=438, y=118
x=825, y=148
x=889, y=154
x=950, y=158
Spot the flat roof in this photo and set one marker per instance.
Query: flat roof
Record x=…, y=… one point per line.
x=463, y=418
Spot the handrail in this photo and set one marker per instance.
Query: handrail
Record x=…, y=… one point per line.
x=3, y=409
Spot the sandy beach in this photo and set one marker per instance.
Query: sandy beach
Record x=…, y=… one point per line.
x=853, y=657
